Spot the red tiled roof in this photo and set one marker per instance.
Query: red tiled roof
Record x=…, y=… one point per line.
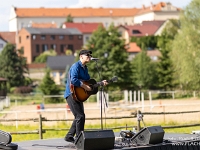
x=154, y=22
x=8, y=37
x=75, y=12
x=133, y=48
x=153, y=8
x=2, y=39
x=83, y=27
x=36, y=65
x=145, y=30
x=44, y=25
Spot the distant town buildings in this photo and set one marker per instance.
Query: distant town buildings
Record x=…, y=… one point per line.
x=35, y=41
x=86, y=28
x=7, y=37
x=24, y=17
x=40, y=29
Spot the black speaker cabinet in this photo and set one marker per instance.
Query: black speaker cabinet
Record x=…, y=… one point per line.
x=149, y=135
x=95, y=140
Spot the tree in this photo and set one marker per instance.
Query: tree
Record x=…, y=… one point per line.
x=165, y=68
x=149, y=42
x=186, y=45
x=42, y=58
x=48, y=86
x=69, y=18
x=13, y=66
x=143, y=70
x=110, y=49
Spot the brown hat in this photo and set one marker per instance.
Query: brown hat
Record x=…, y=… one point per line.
x=85, y=52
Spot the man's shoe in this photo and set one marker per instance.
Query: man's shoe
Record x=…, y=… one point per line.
x=69, y=139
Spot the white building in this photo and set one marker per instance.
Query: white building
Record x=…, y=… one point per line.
x=24, y=17
x=160, y=11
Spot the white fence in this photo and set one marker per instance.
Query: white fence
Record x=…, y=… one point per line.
x=4, y=102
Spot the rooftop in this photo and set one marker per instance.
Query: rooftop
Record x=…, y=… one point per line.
x=54, y=31
x=8, y=37
x=83, y=27
x=75, y=12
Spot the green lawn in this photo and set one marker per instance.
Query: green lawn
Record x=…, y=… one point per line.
x=65, y=126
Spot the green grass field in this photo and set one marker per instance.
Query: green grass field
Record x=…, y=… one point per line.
x=60, y=134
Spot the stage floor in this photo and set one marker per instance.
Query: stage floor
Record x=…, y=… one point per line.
x=55, y=144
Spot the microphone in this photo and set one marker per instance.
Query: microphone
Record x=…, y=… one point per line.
x=94, y=58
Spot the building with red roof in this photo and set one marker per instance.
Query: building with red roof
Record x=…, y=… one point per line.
x=160, y=11
x=22, y=17
x=7, y=37
x=86, y=28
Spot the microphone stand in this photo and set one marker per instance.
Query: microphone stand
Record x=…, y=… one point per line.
x=100, y=94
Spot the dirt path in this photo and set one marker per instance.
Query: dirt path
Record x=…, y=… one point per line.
x=59, y=111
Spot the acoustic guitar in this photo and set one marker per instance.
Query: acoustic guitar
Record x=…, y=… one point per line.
x=81, y=95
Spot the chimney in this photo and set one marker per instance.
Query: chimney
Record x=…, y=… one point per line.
x=111, y=12
x=143, y=7
x=151, y=7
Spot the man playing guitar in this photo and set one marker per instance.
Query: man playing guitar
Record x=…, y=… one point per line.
x=76, y=75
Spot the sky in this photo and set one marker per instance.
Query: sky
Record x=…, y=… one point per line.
x=6, y=5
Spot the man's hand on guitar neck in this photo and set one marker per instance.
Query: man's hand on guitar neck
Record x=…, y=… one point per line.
x=86, y=87
x=103, y=83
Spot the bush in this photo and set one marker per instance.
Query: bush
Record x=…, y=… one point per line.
x=12, y=89
x=23, y=89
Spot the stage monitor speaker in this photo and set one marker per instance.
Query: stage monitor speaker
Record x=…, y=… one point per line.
x=5, y=138
x=95, y=140
x=149, y=135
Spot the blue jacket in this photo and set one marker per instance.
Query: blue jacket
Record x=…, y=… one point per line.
x=76, y=74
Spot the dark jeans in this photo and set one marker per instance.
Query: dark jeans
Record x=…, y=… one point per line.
x=77, y=109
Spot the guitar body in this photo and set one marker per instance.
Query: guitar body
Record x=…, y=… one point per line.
x=80, y=94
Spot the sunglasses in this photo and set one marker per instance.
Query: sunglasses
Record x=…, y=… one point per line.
x=89, y=55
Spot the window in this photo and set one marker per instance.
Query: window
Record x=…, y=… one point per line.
x=20, y=39
x=34, y=57
x=106, y=24
x=54, y=74
x=22, y=25
x=62, y=48
x=53, y=46
x=33, y=37
x=37, y=48
x=61, y=37
x=71, y=37
x=120, y=32
x=87, y=38
x=71, y=47
x=1, y=45
x=44, y=47
x=53, y=37
x=43, y=37
x=136, y=32
x=80, y=37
